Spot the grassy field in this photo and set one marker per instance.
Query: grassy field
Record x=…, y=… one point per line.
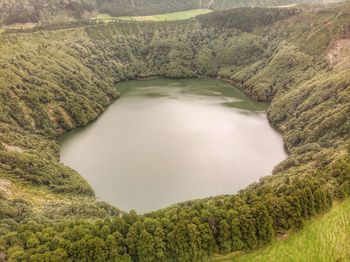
x=326, y=238
x=286, y=6
x=163, y=17
x=17, y=26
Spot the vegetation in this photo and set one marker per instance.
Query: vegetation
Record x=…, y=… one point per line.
x=324, y=239
x=163, y=17
x=48, y=211
x=44, y=12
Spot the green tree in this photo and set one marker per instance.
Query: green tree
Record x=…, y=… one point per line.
x=146, y=247
x=224, y=237
x=205, y=62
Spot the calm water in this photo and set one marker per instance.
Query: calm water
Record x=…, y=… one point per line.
x=167, y=141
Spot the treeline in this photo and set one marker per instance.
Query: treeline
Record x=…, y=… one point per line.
x=51, y=26
x=190, y=231
x=246, y=19
x=50, y=86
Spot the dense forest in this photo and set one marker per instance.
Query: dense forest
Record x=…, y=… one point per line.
x=53, y=81
x=56, y=11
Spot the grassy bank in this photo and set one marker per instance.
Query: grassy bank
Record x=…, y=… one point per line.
x=326, y=238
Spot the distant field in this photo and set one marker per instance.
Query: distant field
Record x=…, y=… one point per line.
x=17, y=26
x=163, y=17
x=326, y=238
x=286, y=6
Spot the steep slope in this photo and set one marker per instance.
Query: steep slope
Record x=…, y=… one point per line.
x=49, y=86
x=326, y=238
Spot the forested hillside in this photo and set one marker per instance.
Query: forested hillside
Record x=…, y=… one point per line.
x=57, y=11
x=52, y=81
x=13, y=11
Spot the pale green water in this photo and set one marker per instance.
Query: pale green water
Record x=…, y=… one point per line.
x=167, y=141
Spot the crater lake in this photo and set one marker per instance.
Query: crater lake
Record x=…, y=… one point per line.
x=168, y=141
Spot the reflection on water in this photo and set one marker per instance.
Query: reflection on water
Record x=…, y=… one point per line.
x=167, y=141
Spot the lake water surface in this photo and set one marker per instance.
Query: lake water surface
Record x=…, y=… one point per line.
x=167, y=141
